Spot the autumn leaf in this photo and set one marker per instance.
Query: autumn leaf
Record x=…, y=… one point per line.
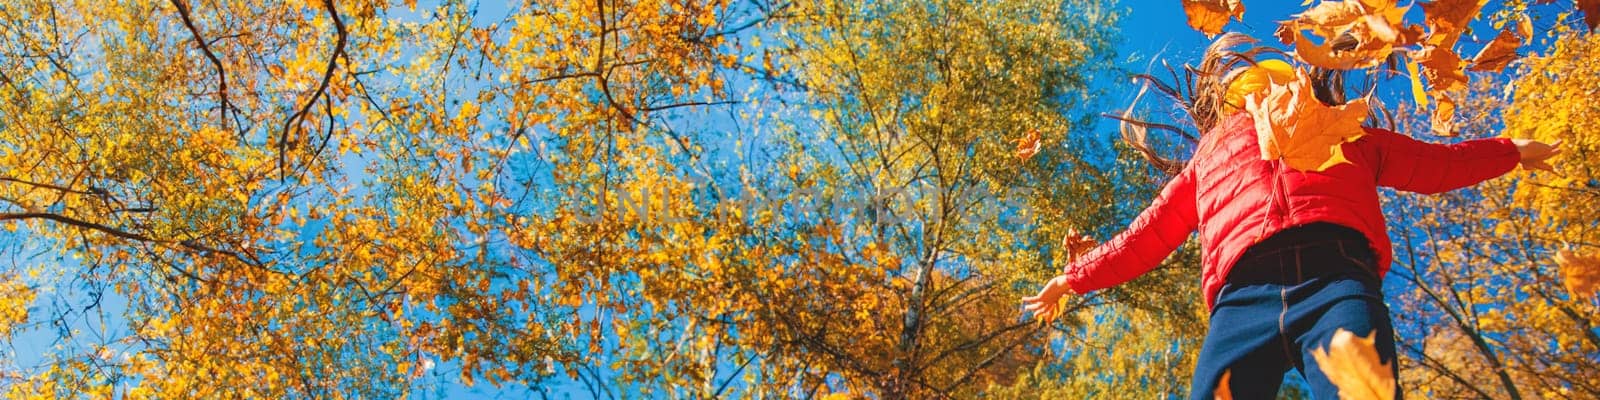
x=1292, y=125
x=1224, y=392
x=1580, y=273
x=1447, y=19
x=1352, y=364
x=1209, y=16
x=1501, y=51
x=1444, y=114
x=1076, y=244
x=1355, y=34
x=1591, y=12
x=1419, y=93
x=1028, y=145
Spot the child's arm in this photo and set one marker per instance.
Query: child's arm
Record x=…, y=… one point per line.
x=1152, y=236
x=1411, y=165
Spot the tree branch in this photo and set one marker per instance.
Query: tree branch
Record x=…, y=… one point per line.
x=222, y=75
x=322, y=88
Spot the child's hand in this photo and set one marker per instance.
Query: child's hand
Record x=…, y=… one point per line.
x=1535, y=154
x=1044, y=306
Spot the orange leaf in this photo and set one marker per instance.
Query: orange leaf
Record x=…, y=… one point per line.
x=1076, y=244
x=1209, y=16
x=1444, y=115
x=1447, y=19
x=1442, y=67
x=1352, y=364
x=1498, y=53
x=1292, y=125
x=1580, y=273
x=1223, y=391
x=1355, y=34
x=1028, y=145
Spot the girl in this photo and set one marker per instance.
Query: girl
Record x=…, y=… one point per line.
x=1289, y=256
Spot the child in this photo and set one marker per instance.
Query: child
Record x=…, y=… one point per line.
x=1289, y=256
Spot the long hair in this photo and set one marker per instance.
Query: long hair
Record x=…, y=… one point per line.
x=1200, y=92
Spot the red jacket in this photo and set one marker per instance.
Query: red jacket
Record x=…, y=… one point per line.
x=1236, y=199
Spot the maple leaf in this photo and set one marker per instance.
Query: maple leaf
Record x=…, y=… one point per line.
x=1209, y=16
x=1292, y=125
x=1028, y=145
x=1498, y=53
x=1352, y=364
x=1356, y=34
x=1580, y=273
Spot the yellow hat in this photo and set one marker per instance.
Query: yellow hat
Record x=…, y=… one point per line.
x=1256, y=79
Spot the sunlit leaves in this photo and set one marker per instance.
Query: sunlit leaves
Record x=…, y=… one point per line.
x=15, y=298
x=1306, y=134
x=1351, y=363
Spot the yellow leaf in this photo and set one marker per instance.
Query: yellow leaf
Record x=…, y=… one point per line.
x=1256, y=80
x=1352, y=364
x=1580, y=273
x=1209, y=16
x=1292, y=125
x=1498, y=53
x=1418, y=93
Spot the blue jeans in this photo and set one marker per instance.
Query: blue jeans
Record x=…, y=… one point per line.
x=1284, y=299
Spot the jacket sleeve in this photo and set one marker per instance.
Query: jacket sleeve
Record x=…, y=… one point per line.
x=1411, y=165
x=1152, y=236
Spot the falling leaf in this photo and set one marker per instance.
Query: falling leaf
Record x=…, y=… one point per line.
x=1580, y=273
x=1294, y=126
x=1444, y=114
x=1442, y=67
x=1076, y=244
x=1209, y=16
x=1591, y=12
x=1525, y=28
x=1352, y=364
x=1355, y=34
x=1223, y=391
x=1501, y=51
x=1447, y=19
x=1028, y=145
x=1418, y=93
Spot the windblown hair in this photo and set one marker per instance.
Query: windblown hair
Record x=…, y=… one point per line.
x=1200, y=92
